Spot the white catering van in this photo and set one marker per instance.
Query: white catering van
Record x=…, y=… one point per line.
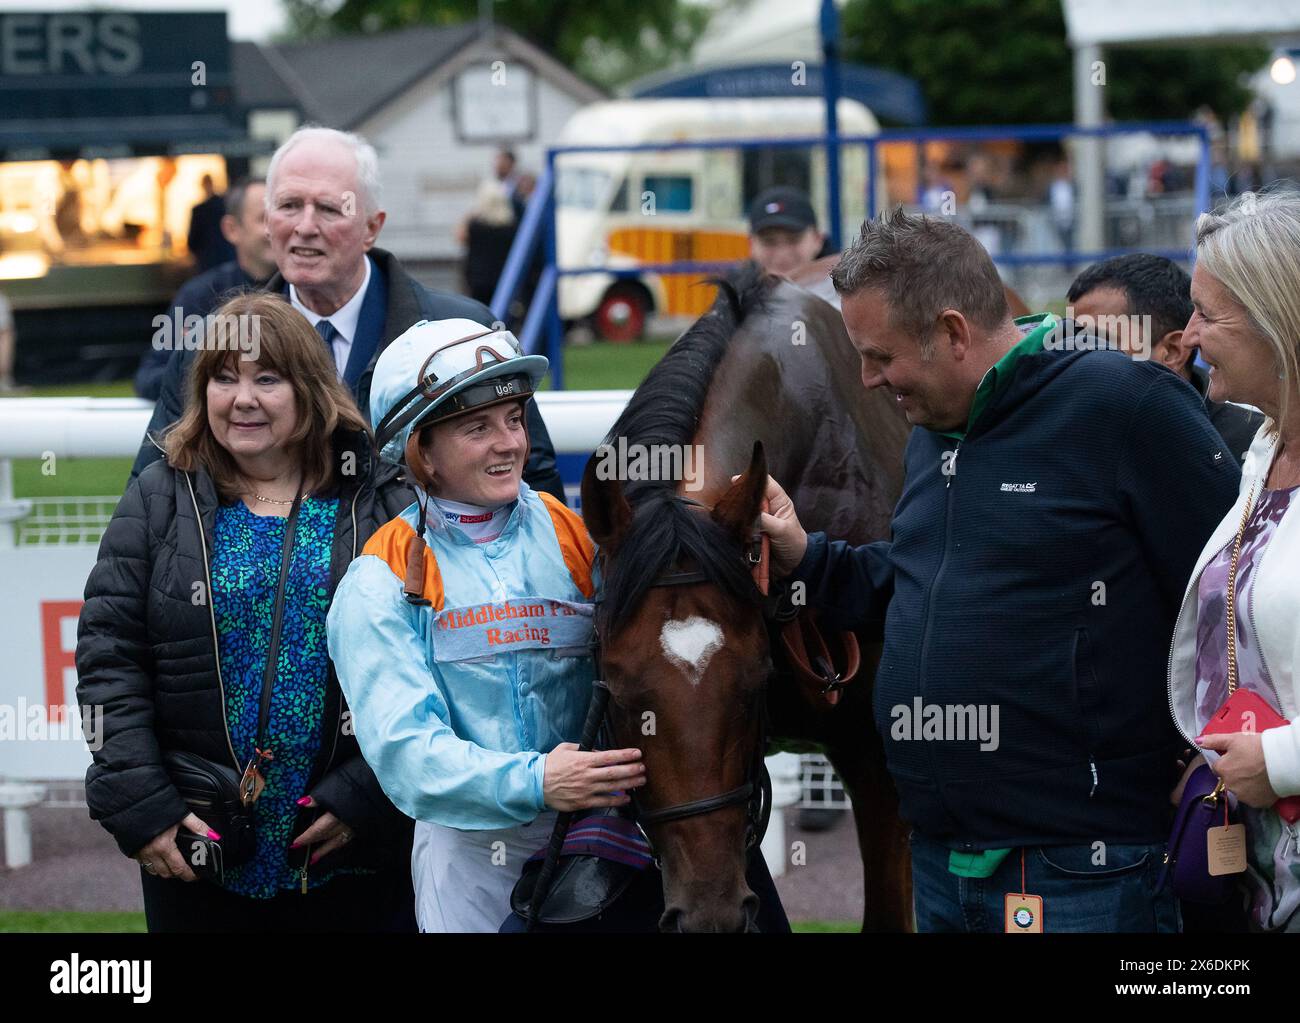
x=626, y=209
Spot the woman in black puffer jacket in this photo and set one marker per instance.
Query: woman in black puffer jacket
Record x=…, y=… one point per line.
x=192, y=588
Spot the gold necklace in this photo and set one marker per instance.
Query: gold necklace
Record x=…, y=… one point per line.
x=271, y=500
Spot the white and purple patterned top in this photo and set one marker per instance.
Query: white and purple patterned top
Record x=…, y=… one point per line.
x=1274, y=860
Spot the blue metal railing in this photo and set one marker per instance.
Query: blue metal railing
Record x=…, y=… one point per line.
x=538, y=227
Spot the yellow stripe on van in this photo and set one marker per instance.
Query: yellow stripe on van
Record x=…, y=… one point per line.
x=684, y=293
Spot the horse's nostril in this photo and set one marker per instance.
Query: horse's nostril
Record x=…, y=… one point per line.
x=671, y=921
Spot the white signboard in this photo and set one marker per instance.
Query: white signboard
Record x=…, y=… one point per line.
x=494, y=102
x=40, y=724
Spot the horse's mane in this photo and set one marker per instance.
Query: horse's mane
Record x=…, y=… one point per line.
x=666, y=407
x=665, y=410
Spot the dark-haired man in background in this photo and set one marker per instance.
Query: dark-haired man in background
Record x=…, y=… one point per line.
x=1140, y=285
x=244, y=226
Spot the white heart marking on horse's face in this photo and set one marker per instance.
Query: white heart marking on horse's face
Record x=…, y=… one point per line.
x=690, y=644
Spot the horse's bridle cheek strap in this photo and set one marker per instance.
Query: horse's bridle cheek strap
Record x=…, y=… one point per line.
x=759, y=553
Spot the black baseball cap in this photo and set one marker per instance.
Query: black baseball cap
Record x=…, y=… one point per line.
x=781, y=207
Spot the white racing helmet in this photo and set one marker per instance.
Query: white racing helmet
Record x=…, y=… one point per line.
x=439, y=369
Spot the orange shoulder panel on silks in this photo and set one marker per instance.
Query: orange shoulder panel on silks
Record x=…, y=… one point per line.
x=392, y=544
x=575, y=544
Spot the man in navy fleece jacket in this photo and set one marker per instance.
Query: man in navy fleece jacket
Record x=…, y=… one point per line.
x=1055, y=501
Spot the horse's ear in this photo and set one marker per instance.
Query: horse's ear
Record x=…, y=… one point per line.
x=604, y=508
x=741, y=503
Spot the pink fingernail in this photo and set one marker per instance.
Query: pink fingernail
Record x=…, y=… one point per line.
x=213, y=835
x=314, y=859
x=304, y=800
x=293, y=844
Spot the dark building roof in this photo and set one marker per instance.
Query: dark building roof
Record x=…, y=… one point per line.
x=258, y=84
x=341, y=81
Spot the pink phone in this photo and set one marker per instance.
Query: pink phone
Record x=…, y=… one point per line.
x=1245, y=711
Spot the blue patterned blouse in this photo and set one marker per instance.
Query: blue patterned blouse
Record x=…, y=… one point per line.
x=246, y=553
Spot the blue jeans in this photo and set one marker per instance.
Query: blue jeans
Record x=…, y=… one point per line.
x=1115, y=895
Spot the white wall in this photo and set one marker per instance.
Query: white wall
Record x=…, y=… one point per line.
x=429, y=175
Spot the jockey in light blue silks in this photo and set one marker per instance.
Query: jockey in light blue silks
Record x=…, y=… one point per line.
x=461, y=634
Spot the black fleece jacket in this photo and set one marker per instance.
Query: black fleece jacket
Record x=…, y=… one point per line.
x=1039, y=579
x=146, y=652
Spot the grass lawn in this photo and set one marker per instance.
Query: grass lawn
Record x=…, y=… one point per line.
x=599, y=367
x=30, y=922
x=68, y=922
x=589, y=368
x=826, y=926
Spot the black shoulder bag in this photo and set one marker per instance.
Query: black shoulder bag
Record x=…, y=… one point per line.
x=216, y=792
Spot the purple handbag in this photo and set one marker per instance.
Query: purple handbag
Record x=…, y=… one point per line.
x=1186, y=859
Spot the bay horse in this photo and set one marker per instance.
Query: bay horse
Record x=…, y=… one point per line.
x=765, y=381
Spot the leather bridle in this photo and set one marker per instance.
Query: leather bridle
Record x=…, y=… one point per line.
x=755, y=793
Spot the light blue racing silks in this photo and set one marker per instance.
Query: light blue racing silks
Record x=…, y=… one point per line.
x=455, y=741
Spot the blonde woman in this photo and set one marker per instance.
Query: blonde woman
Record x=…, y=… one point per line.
x=1246, y=296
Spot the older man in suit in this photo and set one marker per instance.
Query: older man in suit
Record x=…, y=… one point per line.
x=324, y=214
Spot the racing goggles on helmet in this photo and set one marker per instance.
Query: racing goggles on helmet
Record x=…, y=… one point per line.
x=459, y=376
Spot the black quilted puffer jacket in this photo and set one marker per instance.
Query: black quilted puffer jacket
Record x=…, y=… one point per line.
x=146, y=652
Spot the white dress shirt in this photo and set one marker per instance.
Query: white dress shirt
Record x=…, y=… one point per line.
x=344, y=319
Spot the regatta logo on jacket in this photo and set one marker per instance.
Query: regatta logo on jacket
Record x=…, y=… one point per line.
x=1020, y=488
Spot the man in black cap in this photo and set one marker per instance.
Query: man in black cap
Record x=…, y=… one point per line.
x=783, y=234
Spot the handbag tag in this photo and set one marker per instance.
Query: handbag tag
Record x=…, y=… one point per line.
x=1024, y=913
x=1226, y=849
